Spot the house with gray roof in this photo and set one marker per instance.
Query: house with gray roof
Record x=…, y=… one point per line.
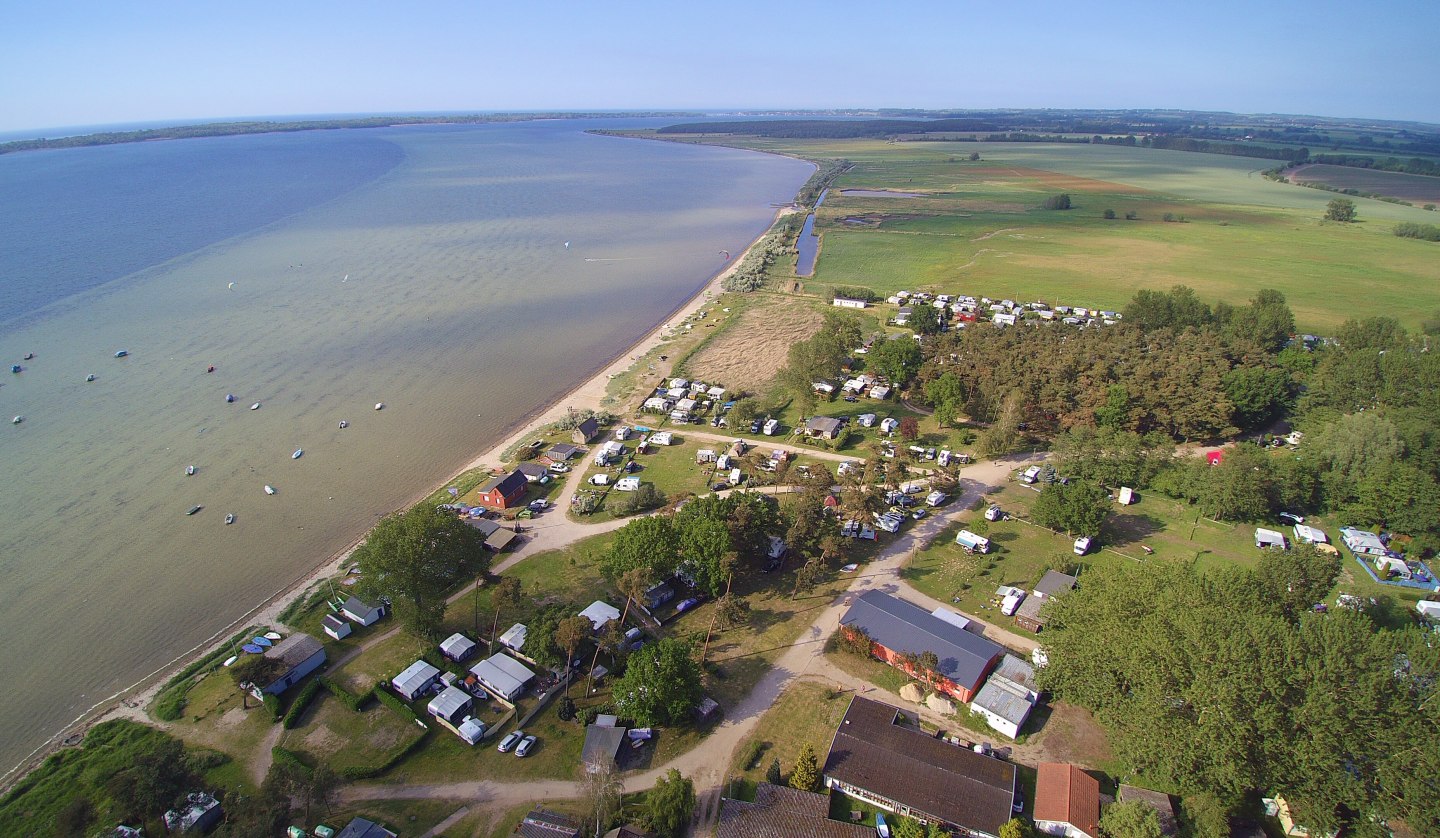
x=783, y=812
x=301, y=654
x=897, y=628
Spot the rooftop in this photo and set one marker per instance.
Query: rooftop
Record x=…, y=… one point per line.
x=1004, y=700
x=783, y=812
x=294, y=650
x=1054, y=582
x=901, y=627
x=872, y=751
x=1065, y=794
x=543, y=823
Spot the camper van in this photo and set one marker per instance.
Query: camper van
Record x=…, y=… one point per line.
x=1030, y=475
x=972, y=543
x=994, y=513
x=771, y=425
x=1082, y=545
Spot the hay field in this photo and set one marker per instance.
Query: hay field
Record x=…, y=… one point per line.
x=751, y=350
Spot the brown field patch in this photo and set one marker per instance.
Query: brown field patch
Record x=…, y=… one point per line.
x=748, y=354
x=1418, y=189
x=1128, y=262
x=1043, y=179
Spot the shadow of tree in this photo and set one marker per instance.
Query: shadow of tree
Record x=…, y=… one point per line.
x=1131, y=527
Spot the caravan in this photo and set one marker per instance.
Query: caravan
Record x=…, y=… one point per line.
x=972, y=543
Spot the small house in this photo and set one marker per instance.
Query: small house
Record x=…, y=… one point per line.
x=533, y=472
x=585, y=431
x=361, y=612
x=1054, y=583
x=599, y=613
x=415, y=680
x=504, y=491
x=562, y=451
x=335, y=627
x=457, y=647
x=452, y=705
x=902, y=316
x=847, y=302
x=823, y=427
x=1270, y=538
x=502, y=675
x=301, y=654
x=200, y=814
x=1067, y=801
x=514, y=637
x=363, y=828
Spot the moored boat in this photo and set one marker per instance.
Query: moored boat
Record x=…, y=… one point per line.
x=15, y=367
x=269, y=490
x=29, y=356
x=231, y=660
x=379, y=405
x=229, y=517
x=298, y=452
x=255, y=406
x=229, y=397
x=90, y=377
x=189, y=470
x=344, y=424
x=17, y=420
x=272, y=635
x=194, y=509
x=121, y=353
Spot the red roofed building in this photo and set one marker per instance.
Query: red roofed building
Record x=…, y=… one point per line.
x=1067, y=801
x=503, y=492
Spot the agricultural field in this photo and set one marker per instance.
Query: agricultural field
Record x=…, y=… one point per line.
x=751, y=348
x=978, y=229
x=1417, y=189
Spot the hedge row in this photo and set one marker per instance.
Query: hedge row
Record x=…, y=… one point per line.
x=394, y=703
x=298, y=705
x=365, y=772
x=349, y=699
x=284, y=756
x=272, y=704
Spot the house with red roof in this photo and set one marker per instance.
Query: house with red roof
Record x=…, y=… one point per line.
x=1067, y=801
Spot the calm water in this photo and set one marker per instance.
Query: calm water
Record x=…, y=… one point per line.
x=807, y=244
x=462, y=311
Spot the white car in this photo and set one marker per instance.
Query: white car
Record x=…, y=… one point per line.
x=510, y=741
x=559, y=468
x=526, y=745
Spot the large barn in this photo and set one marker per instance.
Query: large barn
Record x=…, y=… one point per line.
x=896, y=629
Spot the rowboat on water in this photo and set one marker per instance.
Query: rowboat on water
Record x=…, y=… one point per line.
x=298, y=452
x=269, y=490
x=193, y=509
x=90, y=377
x=29, y=356
x=229, y=517
x=189, y=470
x=379, y=405
x=255, y=406
x=229, y=397
x=121, y=353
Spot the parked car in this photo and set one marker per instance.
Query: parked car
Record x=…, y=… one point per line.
x=539, y=505
x=919, y=513
x=686, y=605
x=1291, y=518
x=559, y=468
x=510, y=741
x=525, y=747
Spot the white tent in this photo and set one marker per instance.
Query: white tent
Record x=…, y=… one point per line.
x=514, y=637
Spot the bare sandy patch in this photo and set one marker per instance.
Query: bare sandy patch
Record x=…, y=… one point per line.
x=748, y=354
x=323, y=740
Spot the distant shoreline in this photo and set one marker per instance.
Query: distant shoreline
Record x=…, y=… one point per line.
x=230, y=129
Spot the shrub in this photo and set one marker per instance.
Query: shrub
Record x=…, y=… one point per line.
x=1132, y=215
x=1057, y=202
x=1411, y=230
x=272, y=704
x=302, y=700
x=750, y=754
x=393, y=701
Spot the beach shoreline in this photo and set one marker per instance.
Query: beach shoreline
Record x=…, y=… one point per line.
x=131, y=702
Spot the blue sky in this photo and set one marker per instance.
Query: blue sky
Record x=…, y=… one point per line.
x=88, y=62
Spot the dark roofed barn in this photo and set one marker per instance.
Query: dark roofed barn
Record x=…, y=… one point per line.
x=896, y=628
x=905, y=770
x=543, y=823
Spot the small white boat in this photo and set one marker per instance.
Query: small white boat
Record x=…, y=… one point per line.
x=298, y=452
x=90, y=377
x=269, y=490
x=189, y=470
x=231, y=660
x=230, y=287
x=121, y=353
x=229, y=517
x=272, y=635
x=344, y=424
x=255, y=406
x=229, y=397
x=379, y=405
x=17, y=420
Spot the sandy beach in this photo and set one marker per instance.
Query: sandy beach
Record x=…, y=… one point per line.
x=132, y=701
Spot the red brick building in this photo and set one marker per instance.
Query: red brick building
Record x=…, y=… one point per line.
x=503, y=492
x=898, y=629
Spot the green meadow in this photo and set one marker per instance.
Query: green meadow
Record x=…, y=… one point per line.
x=977, y=228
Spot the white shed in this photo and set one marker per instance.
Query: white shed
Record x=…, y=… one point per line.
x=599, y=613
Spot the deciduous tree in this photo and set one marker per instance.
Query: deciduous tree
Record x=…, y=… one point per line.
x=669, y=805
x=661, y=684
x=1340, y=209
x=413, y=558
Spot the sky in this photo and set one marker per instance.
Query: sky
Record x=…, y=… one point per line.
x=95, y=62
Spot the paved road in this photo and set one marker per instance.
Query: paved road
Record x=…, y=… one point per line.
x=708, y=763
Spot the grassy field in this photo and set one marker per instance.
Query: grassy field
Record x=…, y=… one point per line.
x=978, y=229
x=1022, y=551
